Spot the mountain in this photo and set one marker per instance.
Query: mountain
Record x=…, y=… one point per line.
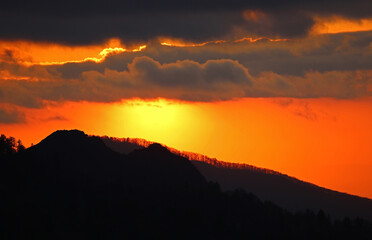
x=121, y=145
x=72, y=183
x=72, y=186
x=288, y=192
x=75, y=156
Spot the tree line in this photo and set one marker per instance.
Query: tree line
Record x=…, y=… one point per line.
x=10, y=145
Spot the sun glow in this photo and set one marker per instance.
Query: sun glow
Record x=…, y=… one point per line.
x=158, y=119
x=339, y=25
x=171, y=42
x=270, y=133
x=180, y=43
x=32, y=53
x=6, y=75
x=253, y=40
x=100, y=58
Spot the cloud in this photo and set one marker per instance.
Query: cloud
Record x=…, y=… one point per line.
x=145, y=78
x=184, y=80
x=11, y=116
x=73, y=8
x=336, y=52
x=335, y=66
x=187, y=80
x=314, y=84
x=189, y=74
x=79, y=22
x=129, y=27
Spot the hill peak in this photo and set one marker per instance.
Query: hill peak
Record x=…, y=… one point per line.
x=73, y=140
x=157, y=147
x=63, y=135
x=66, y=133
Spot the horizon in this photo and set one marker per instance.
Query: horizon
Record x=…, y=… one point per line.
x=285, y=86
x=190, y=156
x=191, y=148
x=75, y=182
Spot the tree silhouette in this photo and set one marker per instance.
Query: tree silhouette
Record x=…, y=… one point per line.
x=9, y=145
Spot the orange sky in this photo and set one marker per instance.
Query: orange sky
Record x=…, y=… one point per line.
x=323, y=141
x=27, y=52
x=338, y=25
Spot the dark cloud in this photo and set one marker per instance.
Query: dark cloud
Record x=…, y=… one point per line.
x=336, y=66
x=145, y=78
x=189, y=74
x=11, y=116
x=131, y=28
x=187, y=80
x=117, y=7
x=333, y=84
x=336, y=52
x=17, y=92
x=82, y=22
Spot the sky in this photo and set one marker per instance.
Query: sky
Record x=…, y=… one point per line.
x=285, y=85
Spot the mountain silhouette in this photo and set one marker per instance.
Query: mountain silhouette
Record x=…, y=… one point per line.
x=288, y=192
x=72, y=186
x=121, y=145
x=69, y=154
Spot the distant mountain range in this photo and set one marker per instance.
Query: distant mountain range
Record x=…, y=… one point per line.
x=288, y=192
x=73, y=186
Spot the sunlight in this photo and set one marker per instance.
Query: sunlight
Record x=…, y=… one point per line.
x=339, y=25
x=265, y=132
x=175, y=42
x=158, y=120
x=158, y=115
x=31, y=53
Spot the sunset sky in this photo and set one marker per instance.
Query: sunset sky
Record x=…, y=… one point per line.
x=285, y=85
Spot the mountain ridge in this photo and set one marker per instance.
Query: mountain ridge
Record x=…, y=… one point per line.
x=72, y=186
x=288, y=192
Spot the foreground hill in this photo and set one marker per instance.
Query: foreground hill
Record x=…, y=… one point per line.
x=72, y=186
x=288, y=192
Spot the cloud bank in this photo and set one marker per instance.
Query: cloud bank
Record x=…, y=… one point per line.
x=186, y=80
x=81, y=22
x=11, y=116
x=329, y=65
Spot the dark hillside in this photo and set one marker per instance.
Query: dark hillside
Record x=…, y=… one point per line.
x=288, y=192
x=71, y=186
